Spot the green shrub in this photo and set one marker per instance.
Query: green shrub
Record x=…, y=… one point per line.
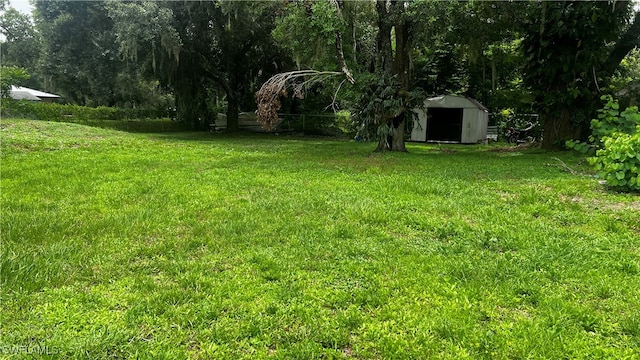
x=610, y=121
x=11, y=75
x=614, y=145
x=73, y=113
x=618, y=162
x=345, y=123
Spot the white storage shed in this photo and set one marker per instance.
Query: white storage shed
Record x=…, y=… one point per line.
x=451, y=119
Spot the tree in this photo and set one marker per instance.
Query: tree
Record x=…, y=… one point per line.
x=572, y=48
x=321, y=25
x=21, y=44
x=80, y=58
x=11, y=75
x=470, y=48
x=385, y=109
x=78, y=51
x=196, y=48
x=393, y=64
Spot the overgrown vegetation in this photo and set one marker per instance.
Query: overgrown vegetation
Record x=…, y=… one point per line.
x=223, y=246
x=132, y=120
x=11, y=75
x=614, y=145
x=67, y=112
x=384, y=104
x=609, y=122
x=618, y=162
x=210, y=57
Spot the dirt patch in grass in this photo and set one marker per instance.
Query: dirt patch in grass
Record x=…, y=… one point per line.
x=508, y=148
x=602, y=204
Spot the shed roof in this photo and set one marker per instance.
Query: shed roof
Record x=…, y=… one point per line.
x=24, y=93
x=454, y=101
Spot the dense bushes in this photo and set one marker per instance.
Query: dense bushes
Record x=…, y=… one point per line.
x=618, y=162
x=615, y=145
x=133, y=120
x=60, y=112
x=507, y=118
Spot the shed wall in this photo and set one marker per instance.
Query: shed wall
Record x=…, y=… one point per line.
x=419, y=130
x=474, y=121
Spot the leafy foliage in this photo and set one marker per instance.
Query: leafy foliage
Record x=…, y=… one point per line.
x=625, y=83
x=21, y=44
x=211, y=52
x=382, y=103
x=205, y=52
x=609, y=122
x=11, y=75
x=615, y=145
x=79, y=57
x=307, y=32
x=564, y=54
x=142, y=24
x=471, y=48
x=69, y=112
x=618, y=162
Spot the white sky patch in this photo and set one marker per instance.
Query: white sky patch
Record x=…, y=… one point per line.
x=25, y=7
x=22, y=5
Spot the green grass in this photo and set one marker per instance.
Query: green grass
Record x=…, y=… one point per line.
x=200, y=246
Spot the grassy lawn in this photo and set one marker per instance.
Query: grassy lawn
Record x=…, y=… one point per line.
x=202, y=246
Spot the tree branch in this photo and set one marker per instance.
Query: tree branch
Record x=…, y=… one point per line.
x=341, y=61
x=268, y=97
x=628, y=41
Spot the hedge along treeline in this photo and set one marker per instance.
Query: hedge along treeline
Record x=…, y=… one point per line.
x=73, y=113
x=137, y=120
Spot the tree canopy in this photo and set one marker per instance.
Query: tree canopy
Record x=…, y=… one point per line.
x=571, y=50
x=206, y=57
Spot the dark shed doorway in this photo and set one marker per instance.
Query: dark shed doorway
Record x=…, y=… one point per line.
x=444, y=124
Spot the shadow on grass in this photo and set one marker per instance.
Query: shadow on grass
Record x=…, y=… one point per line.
x=453, y=159
x=136, y=125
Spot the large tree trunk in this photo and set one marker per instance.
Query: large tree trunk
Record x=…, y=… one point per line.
x=397, y=138
x=233, y=101
x=186, y=103
x=402, y=60
x=390, y=16
x=558, y=128
x=627, y=42
x=402, y=69
x=384, y=60
x=395, y=141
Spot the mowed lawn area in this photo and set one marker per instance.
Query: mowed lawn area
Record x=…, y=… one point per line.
x=218, y=246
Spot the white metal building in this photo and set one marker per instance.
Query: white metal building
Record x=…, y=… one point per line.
x=450, y=118
x=24, y=93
